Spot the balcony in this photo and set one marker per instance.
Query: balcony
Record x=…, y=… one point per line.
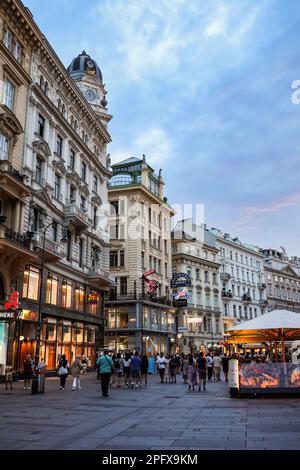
x=261, y=286
x=225, y=276
x=101, y=277
x=226, y=295
x=12, y=180
x=15, y=248
x=53, y=251
x=76, y=216
x=246, y=299
x=17, y=238
x=263, y=302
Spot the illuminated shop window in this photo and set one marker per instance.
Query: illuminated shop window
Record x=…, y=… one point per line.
x=66, y=294
x=52, y=289
x=31, y=283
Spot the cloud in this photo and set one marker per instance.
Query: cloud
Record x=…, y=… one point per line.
x=251, y=213
x=155, y=143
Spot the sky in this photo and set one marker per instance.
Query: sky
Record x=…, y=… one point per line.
x=203, y=88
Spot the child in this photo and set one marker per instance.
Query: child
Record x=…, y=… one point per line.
x=8, y=376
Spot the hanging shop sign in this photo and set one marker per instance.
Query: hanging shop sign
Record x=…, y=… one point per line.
x=11, y=310
x=93, y=298
x=181, y=298
x=180, y=280
x=152, y=285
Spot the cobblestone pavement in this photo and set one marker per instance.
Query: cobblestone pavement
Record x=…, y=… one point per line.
x=160, y=417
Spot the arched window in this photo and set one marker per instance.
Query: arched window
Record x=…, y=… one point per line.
x=46, y=88
x=63, y=110
x=72, y=122
x=59, y=104
x=42, y=81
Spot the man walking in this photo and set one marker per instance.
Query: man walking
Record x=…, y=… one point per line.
x=217, y=367
x=225, y=365
x=201, y=367
x=209, y=364
x=105, y=368
x=161, y=364
x=135, y=369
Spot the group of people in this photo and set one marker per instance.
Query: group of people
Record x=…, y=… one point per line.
x=195, y=368
x=78, y=368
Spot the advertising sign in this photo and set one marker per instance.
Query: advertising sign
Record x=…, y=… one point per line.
x=180, y=280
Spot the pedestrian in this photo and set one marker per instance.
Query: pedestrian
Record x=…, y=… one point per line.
x=209, y=365
x=185, y=365
x=113, y=375
x=63, y=370
x=106, y=368
x=135, y=367
x=167, y=370
x=126, y=369
x=119, y=363
x=8, y=376
x=172, y=368
x=177, y=360
x=201, y=367
x=225, y=366
x=161, y=365
x=217, y=366
x=27, y=371
x=144, y=370
x=75, y=371
x=84, y=363
x=192, y=372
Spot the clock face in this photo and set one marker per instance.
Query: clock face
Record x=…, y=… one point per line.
x=90, y=64
x=90, y=95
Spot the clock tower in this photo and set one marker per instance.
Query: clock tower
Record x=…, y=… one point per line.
x=88, y=77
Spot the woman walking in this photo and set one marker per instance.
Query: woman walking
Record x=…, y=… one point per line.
x=185, y=366
x=75, y=371
x=27, y=371
x=192, y=373
x=144, y=370
x=63, y=370
x=119, y=363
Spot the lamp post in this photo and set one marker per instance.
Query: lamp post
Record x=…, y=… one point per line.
x=35, y=381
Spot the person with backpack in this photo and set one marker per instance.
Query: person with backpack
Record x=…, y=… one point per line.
x=106, y=368
x=201, y=368
x=172, y=369
x=63, y=370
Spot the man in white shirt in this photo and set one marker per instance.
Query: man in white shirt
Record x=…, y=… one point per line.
x=217, y=366
x=161, y=364
x=209, y=364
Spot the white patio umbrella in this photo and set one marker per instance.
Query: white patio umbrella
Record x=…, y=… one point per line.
x=277, y=325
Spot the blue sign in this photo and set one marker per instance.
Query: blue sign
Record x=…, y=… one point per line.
x=180, y=280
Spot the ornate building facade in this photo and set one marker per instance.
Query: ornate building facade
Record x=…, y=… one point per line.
x=61, y=216
x=194, y=253
x=242, y=277
x=139, y=222
x=282, y=279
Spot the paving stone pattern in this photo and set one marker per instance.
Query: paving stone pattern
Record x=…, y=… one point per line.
x=165, y=417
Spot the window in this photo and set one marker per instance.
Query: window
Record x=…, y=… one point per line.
x=95, y=184
x=143, y=259
x=54, y=231
x=114, y=232
x=72, y=159
x=217, y=323
x=52, y=289
x=9, y=94
x=123, y=285
x=82, y=203
x=230, y=254
x=122, y=258
x=38, y=170
x=198, y=297
x=59, y=145
x=240, y=311
x=83, y=171
x=114, y=208
x=81, y=247
x=8, y=39
x=189, y=270
x=31, y=283
x=234, y=311
x=72, y=194
x=95, y=218
x=113, y=258
x=79, y=298
x=215, y=278
x=66, y=294
x=41, y=126
x=3, y=147
x=18, y=52
x=255, y=312
x=197, y=274
x=166, y=269
x=206, y=276
x=57, y=182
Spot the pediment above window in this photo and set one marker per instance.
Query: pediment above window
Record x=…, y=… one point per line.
x=59, y=166
x=42, y=148
x=97, y=200
x=9, y=124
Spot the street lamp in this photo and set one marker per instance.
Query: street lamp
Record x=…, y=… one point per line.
x=35, y=381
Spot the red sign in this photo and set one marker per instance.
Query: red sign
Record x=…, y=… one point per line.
x=13, y=302
x=93, y=298
x=152, y=285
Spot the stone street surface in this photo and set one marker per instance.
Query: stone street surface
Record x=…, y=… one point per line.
x=161, y=417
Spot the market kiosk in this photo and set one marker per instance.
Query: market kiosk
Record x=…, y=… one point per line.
x=276, y=374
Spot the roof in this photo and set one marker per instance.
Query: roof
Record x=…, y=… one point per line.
x=128, y=161
x=83, y=65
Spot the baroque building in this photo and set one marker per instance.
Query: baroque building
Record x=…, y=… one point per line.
x=282, y=279
x=63, y=163
x=139, y=222
x=194, y=253
x=242, y=279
